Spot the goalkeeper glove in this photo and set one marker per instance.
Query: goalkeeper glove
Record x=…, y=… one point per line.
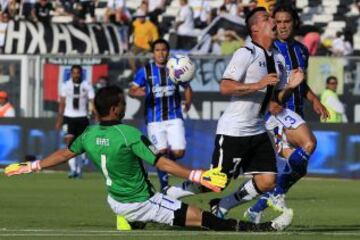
x=213, y=179
x=21, y=168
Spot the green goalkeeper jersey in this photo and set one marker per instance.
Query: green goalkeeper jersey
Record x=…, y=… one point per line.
x=118, y=150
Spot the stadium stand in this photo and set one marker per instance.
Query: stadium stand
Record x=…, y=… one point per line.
x=329, y=17
x=332, y=17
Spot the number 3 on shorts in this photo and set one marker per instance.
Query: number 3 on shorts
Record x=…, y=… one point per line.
x=290, y=119
x=105, y=171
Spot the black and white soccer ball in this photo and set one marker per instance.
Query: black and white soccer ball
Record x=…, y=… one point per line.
x=180, y=68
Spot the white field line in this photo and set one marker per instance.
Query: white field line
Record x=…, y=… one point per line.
x=154, y=233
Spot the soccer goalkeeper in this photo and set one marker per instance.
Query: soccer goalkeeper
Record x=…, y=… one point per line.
x=117, y=150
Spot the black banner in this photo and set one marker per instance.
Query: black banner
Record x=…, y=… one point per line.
x=25, y=37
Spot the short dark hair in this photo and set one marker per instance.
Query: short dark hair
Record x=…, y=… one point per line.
x=80, y=70
x=329, y=78
x=250, y=14
x=106, y=98
x=289, y=9
x=160, y=41
x=76, y=66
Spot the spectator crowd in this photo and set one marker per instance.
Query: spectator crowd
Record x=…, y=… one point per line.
x=151, y=20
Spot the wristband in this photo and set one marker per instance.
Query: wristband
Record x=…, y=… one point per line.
x=195, y=176
x=35, y=166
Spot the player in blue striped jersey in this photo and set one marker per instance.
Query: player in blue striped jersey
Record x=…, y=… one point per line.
x=163, y=105
x=297, y=140
x=296, y=55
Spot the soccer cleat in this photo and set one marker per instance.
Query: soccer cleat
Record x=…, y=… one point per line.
x=216, y=209
x=277, y=202
x=72, y=174
x=245, y=226
x=137, y=225
x=252, y=216
x=283, y=221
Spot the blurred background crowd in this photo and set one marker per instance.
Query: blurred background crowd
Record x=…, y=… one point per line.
x=327, y=27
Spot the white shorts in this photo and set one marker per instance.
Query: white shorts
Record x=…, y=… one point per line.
x=286, y=119
x=167, y=134
x=159, y=208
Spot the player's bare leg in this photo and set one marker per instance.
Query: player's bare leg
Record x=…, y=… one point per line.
x=302, y=137
x=294, y=170
x=249, y=190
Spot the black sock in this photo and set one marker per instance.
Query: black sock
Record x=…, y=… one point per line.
x=212, y=222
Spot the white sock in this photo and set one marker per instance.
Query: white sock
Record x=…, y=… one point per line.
x=79, y=164
x=72, y=164
x=184, y=189
x=244, y=194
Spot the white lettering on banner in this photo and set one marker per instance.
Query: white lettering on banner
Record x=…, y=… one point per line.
x=37, y=38
x=81, y=36
x=59, y=36
x=24, y=37
x=108, y=38
x=13, y=35
x=192, y=114
x=206, y=110
x=93, y=38
x=121, y=40
x=211, y=110
x=72, y=61
x=357, y=113
x=208, y=74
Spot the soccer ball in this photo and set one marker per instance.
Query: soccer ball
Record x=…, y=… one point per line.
x=180, y=69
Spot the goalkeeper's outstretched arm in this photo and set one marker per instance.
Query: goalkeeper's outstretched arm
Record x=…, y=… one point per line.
x=57, y=157
x=213, y=179
x=53, y=159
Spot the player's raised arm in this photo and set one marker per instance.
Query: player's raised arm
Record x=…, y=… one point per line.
x=295, y=79
x=137, y=87
x=232, y=82
x=231, y=87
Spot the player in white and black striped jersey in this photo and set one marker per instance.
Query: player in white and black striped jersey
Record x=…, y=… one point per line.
x=242, y=145
x=75, y=98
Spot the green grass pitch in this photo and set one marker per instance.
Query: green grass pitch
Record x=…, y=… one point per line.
x=50, y=206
